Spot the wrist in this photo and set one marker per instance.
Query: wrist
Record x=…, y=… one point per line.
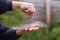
x=19, y=32
x=15, y=4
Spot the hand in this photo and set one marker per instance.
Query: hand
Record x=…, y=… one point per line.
x=19, y=31
x=28, y=8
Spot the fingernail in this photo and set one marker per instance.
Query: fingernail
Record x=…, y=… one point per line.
x=30, y=28
x=26, y=28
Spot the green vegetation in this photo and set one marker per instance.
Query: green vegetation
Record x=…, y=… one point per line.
x=37, y=35
x=13, y=18
x=17, y=17
x=55, y=33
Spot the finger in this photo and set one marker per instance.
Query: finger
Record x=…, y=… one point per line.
x=29, y=14
x=35, y=28
x=32, y=9
x=24, y=10
x=26, y=29
x=31, y=30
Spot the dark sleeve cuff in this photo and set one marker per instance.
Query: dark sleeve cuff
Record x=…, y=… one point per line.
x=9, y=5
x=11, y=35
x=14, y=35
x=5, y=5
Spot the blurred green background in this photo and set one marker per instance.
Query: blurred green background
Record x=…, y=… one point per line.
x=17, y=17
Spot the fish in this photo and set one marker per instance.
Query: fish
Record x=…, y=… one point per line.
x=31, y=24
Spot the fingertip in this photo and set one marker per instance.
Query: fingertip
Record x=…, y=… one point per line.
x=36, y=28
x=30, y=29
x=26, y=28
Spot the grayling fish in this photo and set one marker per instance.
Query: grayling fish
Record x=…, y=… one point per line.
x=31, y=24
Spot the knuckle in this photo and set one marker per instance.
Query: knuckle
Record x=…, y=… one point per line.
x=31, y=3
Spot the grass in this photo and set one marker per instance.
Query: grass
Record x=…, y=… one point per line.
x=17, y=17
x=13, y=18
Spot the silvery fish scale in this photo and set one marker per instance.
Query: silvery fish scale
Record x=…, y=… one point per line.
x=31, y=25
